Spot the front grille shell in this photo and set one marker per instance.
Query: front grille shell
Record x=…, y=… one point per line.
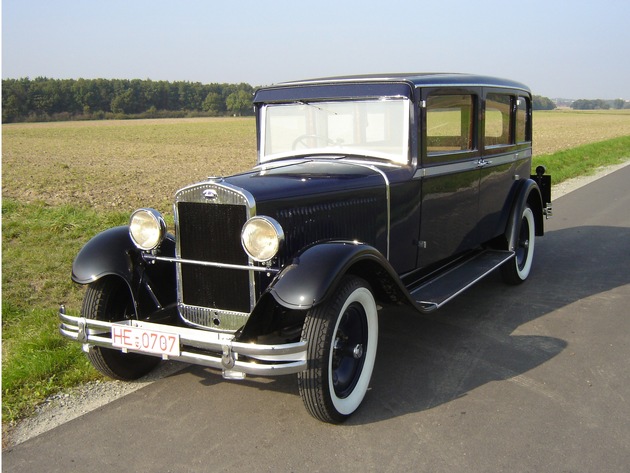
x=208, y=220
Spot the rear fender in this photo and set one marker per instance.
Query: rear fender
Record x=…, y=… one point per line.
x=528, y=193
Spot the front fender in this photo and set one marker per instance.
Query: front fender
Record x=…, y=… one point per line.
x=112, y=253
x=108, y=253
x=315, y=273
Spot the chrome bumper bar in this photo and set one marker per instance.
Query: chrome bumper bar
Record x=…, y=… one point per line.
x=219, y=350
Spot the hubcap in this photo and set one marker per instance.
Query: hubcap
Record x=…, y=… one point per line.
x=349, y=350
x=523, y=244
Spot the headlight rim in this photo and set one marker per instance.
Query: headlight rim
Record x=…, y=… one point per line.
x=279, y=237
x=160, y=227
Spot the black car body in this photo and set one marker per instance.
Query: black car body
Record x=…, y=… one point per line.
x=369, y=191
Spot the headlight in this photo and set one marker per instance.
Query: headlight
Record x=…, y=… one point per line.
x=261, y=238
x=147, y=228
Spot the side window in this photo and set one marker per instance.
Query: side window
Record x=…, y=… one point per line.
x=450, y=124
x=497, y=130
x=522, y=120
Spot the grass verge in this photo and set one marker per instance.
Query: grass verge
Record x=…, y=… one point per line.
x=584, y=160
x=39, y=243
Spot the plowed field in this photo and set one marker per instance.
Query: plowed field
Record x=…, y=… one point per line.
x=122, y=165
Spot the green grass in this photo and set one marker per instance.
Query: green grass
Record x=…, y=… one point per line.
x=37, y=362
x=39, y=242
x=584, y=160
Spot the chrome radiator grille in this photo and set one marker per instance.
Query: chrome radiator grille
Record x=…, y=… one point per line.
x=209, y=219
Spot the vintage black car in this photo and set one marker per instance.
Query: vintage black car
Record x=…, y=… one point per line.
x=369, y=191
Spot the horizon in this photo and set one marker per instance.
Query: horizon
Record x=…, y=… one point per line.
x=554, y=99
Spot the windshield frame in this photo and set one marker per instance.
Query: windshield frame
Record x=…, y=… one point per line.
x=401, y=157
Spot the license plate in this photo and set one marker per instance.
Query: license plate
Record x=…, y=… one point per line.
x=127, y=337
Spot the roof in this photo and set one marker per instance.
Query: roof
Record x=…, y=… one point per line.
x=376, y=85
x=418, y=79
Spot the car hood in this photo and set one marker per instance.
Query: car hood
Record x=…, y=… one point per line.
x=307, y=178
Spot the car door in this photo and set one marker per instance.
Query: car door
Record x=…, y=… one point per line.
x=449, y=140
x=506, y=155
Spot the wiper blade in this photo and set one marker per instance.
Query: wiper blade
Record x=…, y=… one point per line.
x=302, y=102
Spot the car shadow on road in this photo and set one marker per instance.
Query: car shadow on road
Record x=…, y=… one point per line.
x=424, y=360
x=427, y=360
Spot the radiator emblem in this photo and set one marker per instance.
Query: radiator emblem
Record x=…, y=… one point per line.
x=210, y=194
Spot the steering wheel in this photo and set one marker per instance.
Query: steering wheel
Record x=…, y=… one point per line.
x=303, y=140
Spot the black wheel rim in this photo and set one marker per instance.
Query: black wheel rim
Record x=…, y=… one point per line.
x=349, y=348
x=522, y=248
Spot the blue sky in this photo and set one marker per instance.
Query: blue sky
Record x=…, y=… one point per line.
x=571, y=49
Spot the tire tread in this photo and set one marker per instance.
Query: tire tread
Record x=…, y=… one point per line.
x=112, y=363
x=317, y=330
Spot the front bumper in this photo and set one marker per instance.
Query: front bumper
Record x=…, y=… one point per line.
x=199, y=347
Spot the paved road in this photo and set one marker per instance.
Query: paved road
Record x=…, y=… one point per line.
x=533, y=378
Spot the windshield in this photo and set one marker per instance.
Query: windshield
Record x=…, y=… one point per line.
x=373, y=128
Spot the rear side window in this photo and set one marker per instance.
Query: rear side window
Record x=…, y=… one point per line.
x=522, y=120
x=450, y=126
x=498, y=131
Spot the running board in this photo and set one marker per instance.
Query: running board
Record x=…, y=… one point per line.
x=436, y=292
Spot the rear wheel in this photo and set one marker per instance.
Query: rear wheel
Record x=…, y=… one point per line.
x=342, y=336
x=109, y=300
x=517, y=269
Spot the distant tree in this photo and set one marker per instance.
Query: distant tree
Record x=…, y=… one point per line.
x=12, y=106
x=156, y=95
x=15, y=99
x=239, y=102
x=584, y=104
x=123, y=102
x=214, y=103
x=619, y=104
x=542, y=103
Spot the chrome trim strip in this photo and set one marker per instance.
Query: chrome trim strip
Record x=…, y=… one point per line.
x=470, y=165
x=271, y=360
x=260, y=269
x=507, y=158
x=387, y=196
x=443, y=169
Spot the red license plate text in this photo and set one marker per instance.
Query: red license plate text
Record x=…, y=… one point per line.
x=145, y=340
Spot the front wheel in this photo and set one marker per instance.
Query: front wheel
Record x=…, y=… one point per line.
x=342, y=336
x=517, y=269
x=109, y=300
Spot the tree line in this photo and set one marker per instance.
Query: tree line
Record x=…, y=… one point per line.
x=44, y=99
x=542, y=103
x=599, y=104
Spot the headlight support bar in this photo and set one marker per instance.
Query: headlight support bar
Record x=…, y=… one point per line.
x=260, y=269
